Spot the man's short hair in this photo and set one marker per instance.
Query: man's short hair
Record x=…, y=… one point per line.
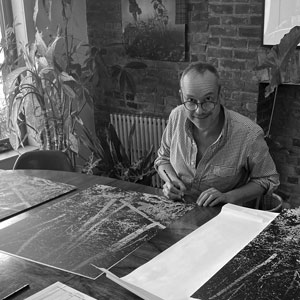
x=200, y=68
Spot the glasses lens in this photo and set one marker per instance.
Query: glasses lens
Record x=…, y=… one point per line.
x=208, y=106
x=190, y=105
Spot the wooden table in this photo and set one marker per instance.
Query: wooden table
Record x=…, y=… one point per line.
x=15, y=272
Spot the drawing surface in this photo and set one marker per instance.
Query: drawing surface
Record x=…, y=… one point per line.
x=99, y=226
x=21, y=192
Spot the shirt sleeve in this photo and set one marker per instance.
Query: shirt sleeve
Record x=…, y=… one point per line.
x=262, y=167
x=163, y=152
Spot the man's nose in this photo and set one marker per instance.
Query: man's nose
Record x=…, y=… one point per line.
x=199, y=109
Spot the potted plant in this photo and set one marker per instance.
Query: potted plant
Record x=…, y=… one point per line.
x=54, y=92
x=110, y=158
x=277, y=62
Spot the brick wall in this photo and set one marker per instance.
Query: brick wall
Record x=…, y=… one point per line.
x=226, y=33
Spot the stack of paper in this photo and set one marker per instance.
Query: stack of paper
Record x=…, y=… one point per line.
x=59, y=291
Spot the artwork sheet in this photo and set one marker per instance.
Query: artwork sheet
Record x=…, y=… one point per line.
x=100, y=226
x=19, y=192
x=197, y=257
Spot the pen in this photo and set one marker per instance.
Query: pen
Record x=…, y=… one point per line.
x=182, y=195
x=22, y=288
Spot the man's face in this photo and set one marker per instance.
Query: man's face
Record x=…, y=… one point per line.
x=201, y=88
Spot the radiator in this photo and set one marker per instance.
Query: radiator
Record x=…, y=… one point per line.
x=148, y=131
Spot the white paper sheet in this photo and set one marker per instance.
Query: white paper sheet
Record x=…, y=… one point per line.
x=59, y=291
x=182, y=269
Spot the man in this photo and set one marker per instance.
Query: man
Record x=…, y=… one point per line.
x=209, y=152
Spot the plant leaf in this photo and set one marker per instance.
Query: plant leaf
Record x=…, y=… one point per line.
x=130, y=82
x=40, y=44
x=122, y=81
x=278, y=57
x=148, y=159
x=63, y=76
x=130, y=139
x=118, y=147
x=11, y=79
x=115, y=71
x=51, y=49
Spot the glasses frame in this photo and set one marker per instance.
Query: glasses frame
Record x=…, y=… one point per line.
x=198, y=103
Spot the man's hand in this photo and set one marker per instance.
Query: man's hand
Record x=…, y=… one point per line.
x=174, y=190
x=212, y=197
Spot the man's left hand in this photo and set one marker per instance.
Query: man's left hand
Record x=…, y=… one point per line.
x=211, y=197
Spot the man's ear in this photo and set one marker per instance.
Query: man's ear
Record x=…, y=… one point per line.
x=221, y=95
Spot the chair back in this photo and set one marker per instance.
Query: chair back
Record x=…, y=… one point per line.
x=44, y=160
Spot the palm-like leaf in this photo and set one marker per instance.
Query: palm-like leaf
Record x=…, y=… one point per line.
x=276, y=60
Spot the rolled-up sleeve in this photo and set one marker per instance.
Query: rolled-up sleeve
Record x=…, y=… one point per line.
x=163, y=152
x=262, y=167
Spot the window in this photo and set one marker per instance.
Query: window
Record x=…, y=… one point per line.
x=8, y=55
x=3, y=107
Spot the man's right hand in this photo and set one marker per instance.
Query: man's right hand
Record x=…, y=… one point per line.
x=174, y=190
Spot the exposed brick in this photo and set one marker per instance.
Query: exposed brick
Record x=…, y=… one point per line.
x=198, y=48
x=225, y=75
x=198, y=57
x=245, y=97
x=256, y=20
x=240, y=54
x=223, y=31
x=251, y=87
x=255, y=8
x=233, y=20
x=234, y=42
x=254, y=44
x=221, y=8
x=250, y=32
x=214, y=21
x=196, y=17
x=200, y=38
x=199, y=27
x=219, y=52
x=202, y=6
x=214, y=41
x=242, y=9
x=232, y=64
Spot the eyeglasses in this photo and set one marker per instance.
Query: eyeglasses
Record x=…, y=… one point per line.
x=192, y=104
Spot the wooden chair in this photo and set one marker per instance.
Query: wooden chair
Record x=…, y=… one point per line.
x=44, y=160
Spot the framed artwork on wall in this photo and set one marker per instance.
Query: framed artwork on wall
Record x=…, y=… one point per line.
x=152, y=30
x=280, y=16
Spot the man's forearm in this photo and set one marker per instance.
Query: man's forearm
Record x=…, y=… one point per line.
x=169, y=170
x=245, y=193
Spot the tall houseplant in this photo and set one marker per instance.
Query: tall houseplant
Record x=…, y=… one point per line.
x=277, y=61
x=52, y=84
x=283, y=67
x=55, y=93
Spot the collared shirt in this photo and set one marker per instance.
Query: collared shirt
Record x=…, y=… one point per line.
x=239, y=155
